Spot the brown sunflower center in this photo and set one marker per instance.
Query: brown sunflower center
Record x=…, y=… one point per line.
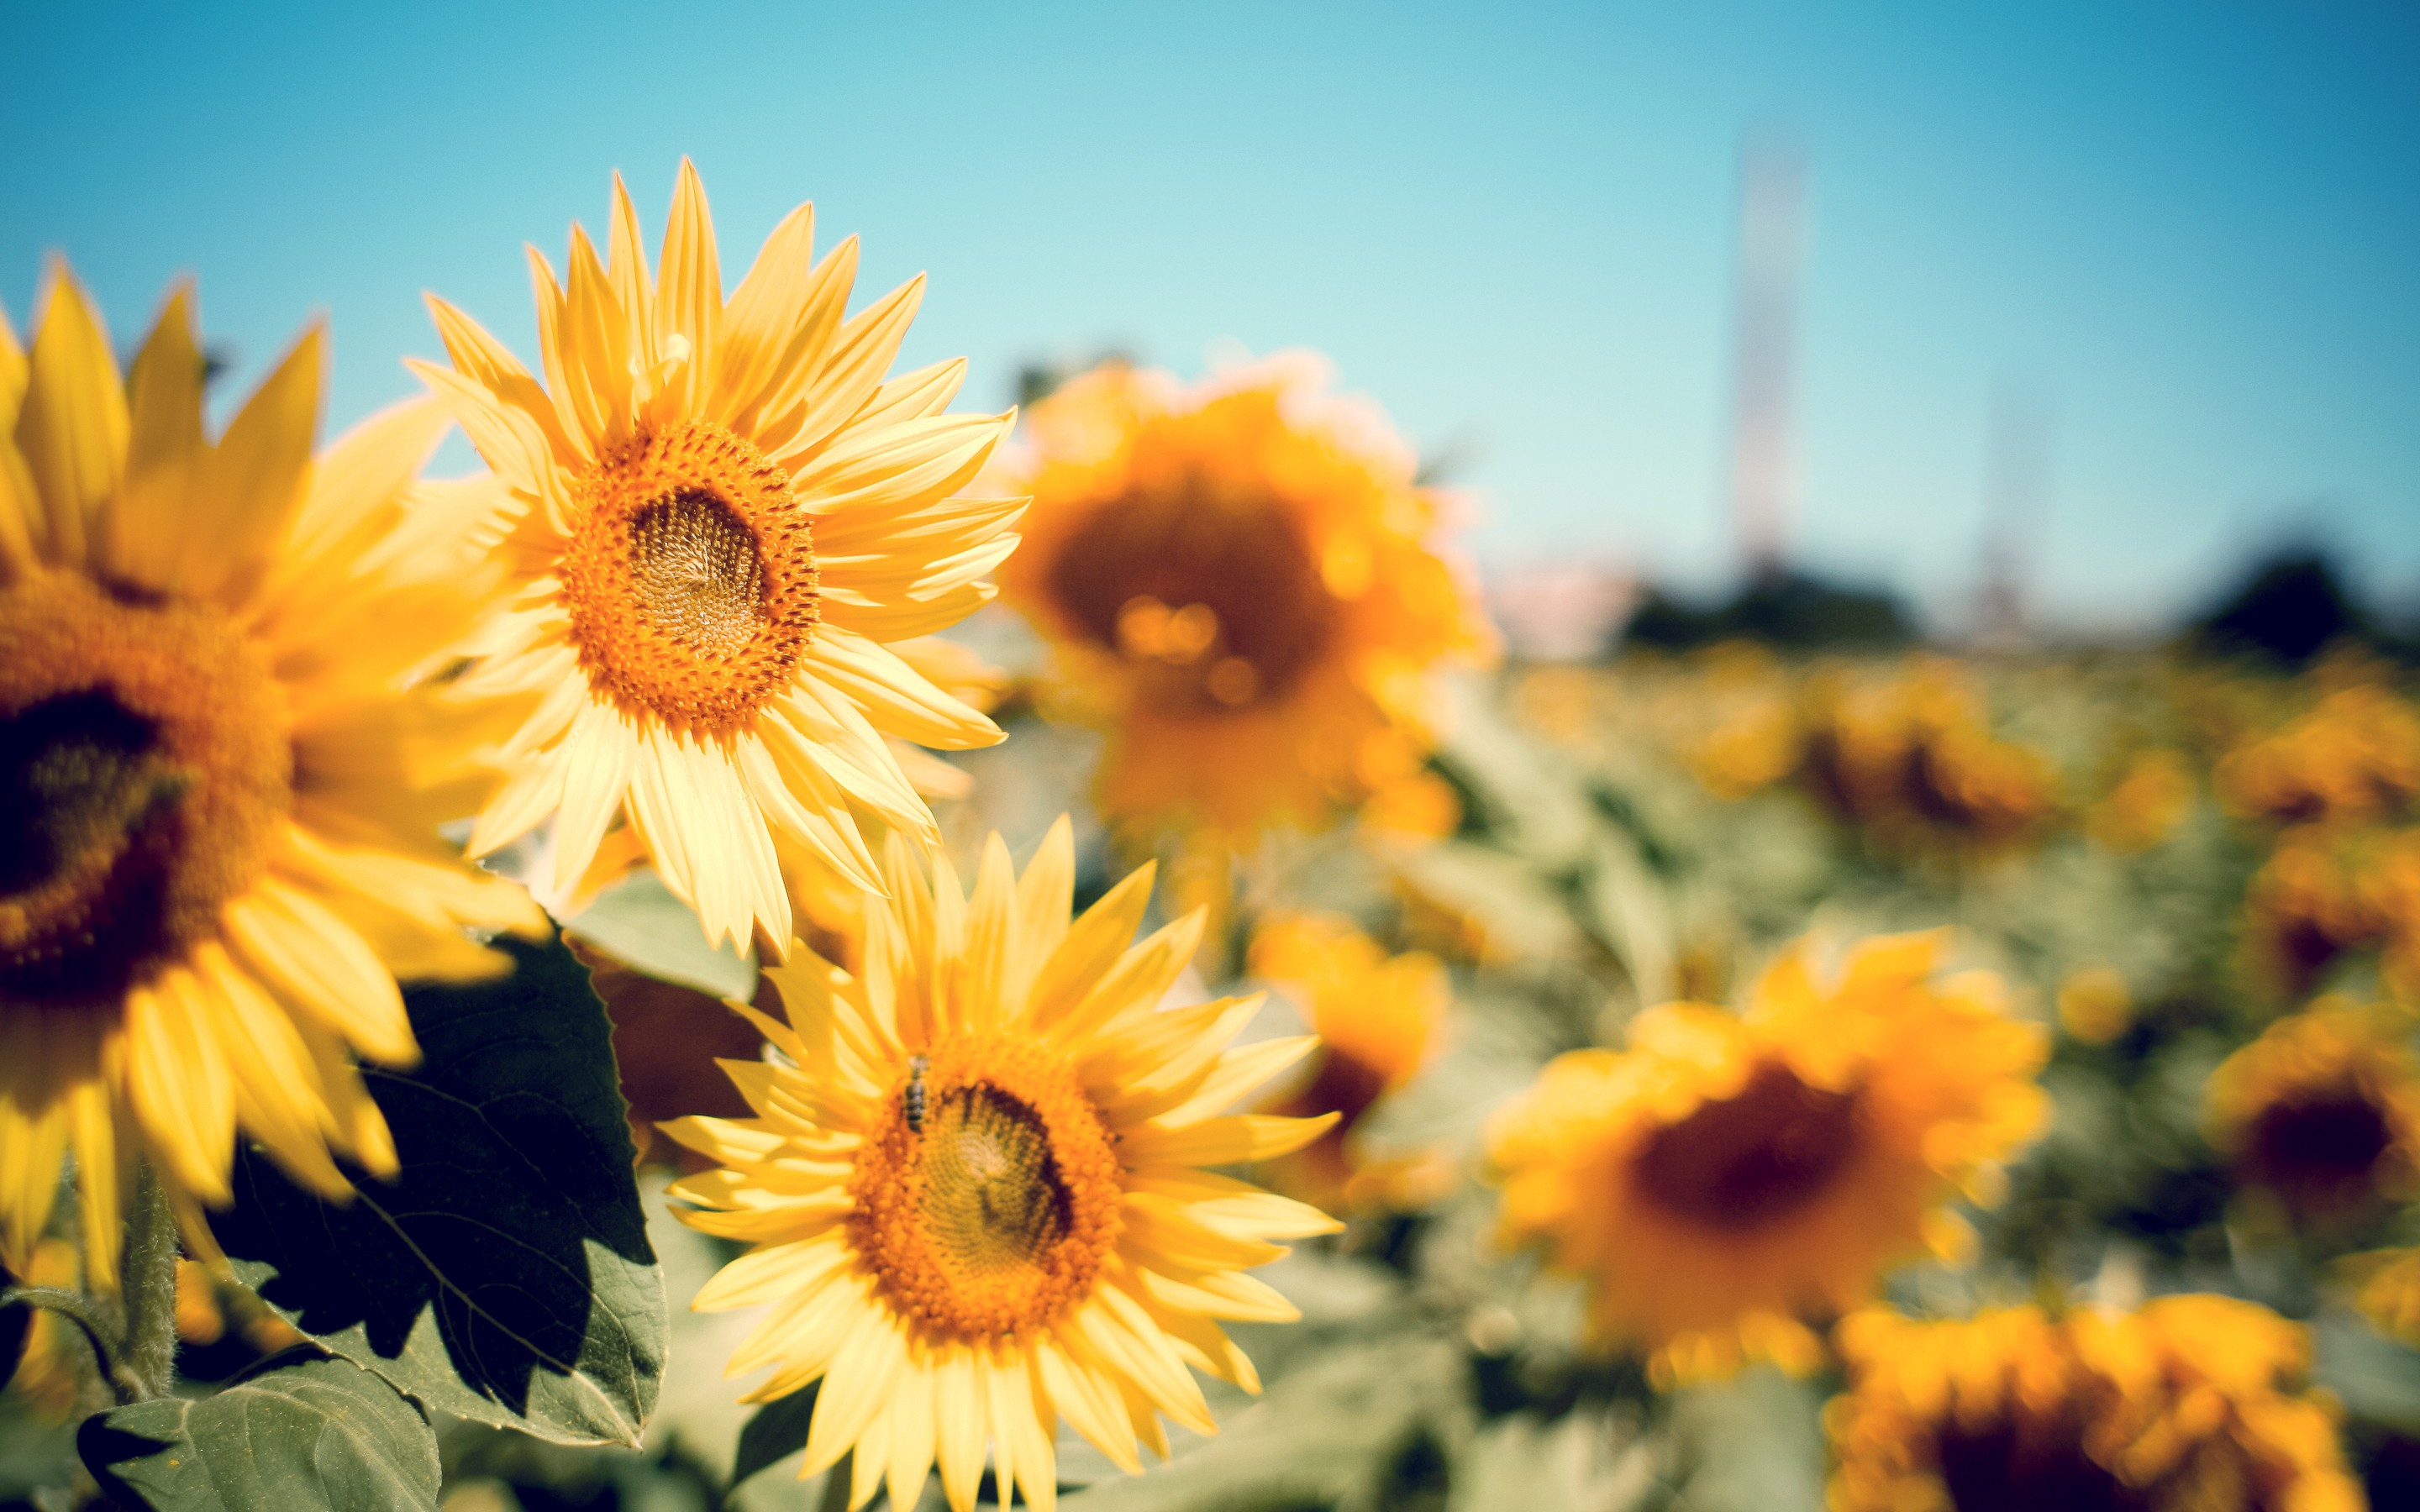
x=988, y=1195
x=145, y=770
x=690, y=578
x=2318, y=1151
x=1998, y=1467
x=1748, y=1158
x=1203, y=584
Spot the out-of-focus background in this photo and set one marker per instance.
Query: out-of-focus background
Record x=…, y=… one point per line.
x=1930, y=467
x=2083, y=304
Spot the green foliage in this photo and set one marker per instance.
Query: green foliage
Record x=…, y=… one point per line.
x=506, y=1274
x=302, y=1435
x=640, y=924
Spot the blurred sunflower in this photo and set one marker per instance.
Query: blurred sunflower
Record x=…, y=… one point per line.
x=2193, y=1402
x=223, y=766
x=725, y=518
x=2354, y=755
x=973, y=1186
x=44, y=1377
x=1241, y=586
x=2387, y=1291
x=1729, y=1173
x=2149, y=799
x=2322, y=1110
x=2307, y=905
x=1378, y=1018
x=1912, y=758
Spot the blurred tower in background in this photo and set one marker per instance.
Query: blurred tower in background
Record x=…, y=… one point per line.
x=1772, y=252
x=2016, y=494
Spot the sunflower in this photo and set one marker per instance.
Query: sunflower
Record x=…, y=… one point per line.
x=2387, y=1291
x=1912, y=758
x=1729, y=1173
x=2149, y=799
x=222, y=769
x=2192, y=1402
x=1378, y=1018
x=725, y=518
x=1240, y=583
x=972, y=1187
x=2322, y=1110
x=2355, y=755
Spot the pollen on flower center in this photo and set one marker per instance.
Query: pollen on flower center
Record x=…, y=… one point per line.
x=1744, y=1161
x=145, y=774
x=994, y=1216
x=690, y=579
x=697, y=573
x=1204, y=586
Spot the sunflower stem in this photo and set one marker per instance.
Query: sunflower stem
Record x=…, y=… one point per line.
x=147, y=1356
x=80, y=1310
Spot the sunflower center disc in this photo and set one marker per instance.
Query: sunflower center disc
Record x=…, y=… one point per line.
x=689, y=580
x=2000, y=1469
x=1753, y=1157
x=1203, y=586
x=2319, y=1152
x=993, y=1200
x=695, y=570
x=989, y=1212
x=144, y=769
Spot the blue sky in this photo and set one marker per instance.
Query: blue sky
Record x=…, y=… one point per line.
x=2194, y=228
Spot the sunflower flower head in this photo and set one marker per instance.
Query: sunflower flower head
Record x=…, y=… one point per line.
x=2150, y=798
x=222, y=766
x=2355, y=755
x=2192, y=1401
x=1379, y=1019
x=726, y=516
x=2322, y=1110
x=1912, y=758
x=1241, y=583
x=973, y=1188
x=1728, y=1175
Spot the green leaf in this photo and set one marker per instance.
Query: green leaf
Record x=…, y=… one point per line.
x=640, y=924
x=777, y=1431
x=295, y=1438
x=505, y=1275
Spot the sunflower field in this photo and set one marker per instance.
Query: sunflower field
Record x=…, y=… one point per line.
x=789, y=945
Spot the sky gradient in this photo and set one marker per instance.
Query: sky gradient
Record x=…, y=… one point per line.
x=2193, y=229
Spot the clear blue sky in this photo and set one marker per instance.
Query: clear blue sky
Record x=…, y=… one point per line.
x=2194, y=226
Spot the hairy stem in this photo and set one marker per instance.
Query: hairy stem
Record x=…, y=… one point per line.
x=78, y=1309
x=147, y=1358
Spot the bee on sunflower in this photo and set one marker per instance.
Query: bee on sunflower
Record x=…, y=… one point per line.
x=974, y=1191
x=2323, y=1110
x=725, y=518
x=1729, y=1175
x=224, y=754
x=2192, y=1401
x=1241, y=586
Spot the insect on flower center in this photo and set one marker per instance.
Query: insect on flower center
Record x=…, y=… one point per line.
x=1204, y=586
x=689, y=579
x=1757, y=1155
x=145, y=771
x=986, y=1197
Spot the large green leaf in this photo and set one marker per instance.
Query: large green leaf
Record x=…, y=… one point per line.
x=506, y=1274
x=639, y=922
x=314, y=1434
